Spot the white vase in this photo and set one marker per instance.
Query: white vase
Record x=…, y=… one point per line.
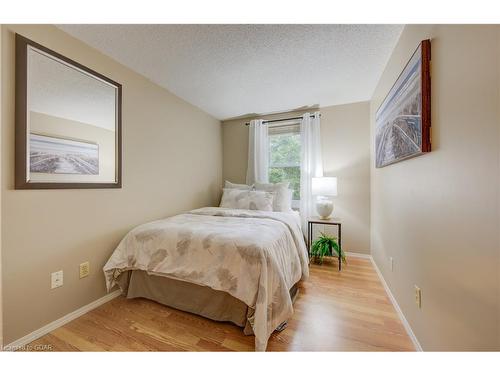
x=324, y=207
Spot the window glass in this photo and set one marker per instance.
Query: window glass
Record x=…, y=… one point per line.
x=284, y=157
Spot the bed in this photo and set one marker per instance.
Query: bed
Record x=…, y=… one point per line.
x=225, y=264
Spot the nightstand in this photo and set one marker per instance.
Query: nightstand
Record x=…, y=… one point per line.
x=332, y=221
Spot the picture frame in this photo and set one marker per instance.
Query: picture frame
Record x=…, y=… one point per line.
x=403, y=120
x=79, y=157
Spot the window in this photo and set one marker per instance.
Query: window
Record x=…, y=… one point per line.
x=284, y=156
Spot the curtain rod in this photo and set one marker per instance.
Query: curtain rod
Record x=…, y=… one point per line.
x=283, y=119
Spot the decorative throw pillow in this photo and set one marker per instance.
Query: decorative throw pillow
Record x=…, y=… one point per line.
x=234, y=198
x=260, y=200
x=247, y=200
x=230, y=185
x=281, y=197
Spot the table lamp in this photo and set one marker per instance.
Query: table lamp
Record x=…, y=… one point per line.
x=323, y=188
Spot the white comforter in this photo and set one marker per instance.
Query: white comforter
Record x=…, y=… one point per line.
x=255, y=256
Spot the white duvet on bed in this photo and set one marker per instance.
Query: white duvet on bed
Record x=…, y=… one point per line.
x=256, y=256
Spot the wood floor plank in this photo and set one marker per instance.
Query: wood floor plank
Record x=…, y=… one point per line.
x=335, y=311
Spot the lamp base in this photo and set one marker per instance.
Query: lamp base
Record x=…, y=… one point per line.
x=324, y=207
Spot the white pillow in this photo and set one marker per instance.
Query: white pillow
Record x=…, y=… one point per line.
x=281, y=199
x=247, y=199
x=230, y=185
x=260, y=200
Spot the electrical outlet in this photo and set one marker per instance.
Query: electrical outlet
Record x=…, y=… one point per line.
x=418, y=297
x=391, y=263
x=56, y=279
x=84, y=269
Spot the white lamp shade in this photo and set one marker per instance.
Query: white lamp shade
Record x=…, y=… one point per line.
x=326, y=186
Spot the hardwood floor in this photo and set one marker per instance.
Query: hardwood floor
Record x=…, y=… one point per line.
x=335, y=311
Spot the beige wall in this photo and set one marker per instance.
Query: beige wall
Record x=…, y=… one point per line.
x=41, y=123
x=171, y=162
x=345, y=135
x=437, y=214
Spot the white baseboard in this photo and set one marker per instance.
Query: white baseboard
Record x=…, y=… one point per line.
x=407, y=326
x=60, y=322
x=358, y=255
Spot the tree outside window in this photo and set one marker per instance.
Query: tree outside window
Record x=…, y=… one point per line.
x=284, y=158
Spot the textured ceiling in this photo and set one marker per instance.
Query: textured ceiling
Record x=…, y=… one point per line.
x=235, y=70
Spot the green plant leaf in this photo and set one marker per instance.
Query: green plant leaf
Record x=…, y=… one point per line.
x=327, y=246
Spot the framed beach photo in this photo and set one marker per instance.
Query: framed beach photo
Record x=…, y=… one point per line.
x=403, y=120
x=63, y=156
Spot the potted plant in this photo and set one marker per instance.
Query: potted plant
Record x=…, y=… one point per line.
x=326, y=246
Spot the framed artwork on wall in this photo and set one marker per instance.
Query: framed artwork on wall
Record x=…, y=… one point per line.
x=63, y=156
x=403, y=120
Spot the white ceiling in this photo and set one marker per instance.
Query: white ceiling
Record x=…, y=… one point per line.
x=235, y=70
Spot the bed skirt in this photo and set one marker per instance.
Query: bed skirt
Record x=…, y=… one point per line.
x=196, y=299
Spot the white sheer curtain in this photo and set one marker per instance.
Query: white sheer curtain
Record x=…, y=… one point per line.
x=258, y=152
x=311, y=164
